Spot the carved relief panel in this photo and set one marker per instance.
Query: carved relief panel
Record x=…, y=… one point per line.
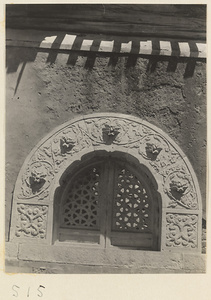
x=176, y=180
x=31, y=221
x=181, y=230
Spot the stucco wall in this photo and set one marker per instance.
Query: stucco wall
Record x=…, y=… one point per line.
x=45, y=89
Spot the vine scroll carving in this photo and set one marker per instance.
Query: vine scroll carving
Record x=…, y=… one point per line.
x=176, y=180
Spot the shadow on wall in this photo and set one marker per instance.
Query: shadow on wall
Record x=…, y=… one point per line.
x=93, y=49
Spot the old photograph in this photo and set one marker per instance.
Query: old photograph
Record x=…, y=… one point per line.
x=106, y=136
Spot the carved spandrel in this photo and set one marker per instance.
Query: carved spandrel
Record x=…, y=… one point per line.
x=181, y=230
x=31, y=221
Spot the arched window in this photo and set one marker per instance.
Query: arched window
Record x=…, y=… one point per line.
x=110, y=181
x=109, y=202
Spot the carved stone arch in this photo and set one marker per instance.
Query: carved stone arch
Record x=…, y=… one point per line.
x=32, y=211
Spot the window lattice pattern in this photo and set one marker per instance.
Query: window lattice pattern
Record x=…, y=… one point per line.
x=131, y=205
x=81, y=206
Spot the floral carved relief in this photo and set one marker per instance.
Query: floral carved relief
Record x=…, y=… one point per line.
x=179, y=187
x=110, y=133
x=48, y=158
x=151, y=146
x=146, y=143
x=31, y=221
x=68, y=142
x=181, y=230
x=178, y=184
x=36, y=180
x=158, y=151
x=89, y=132
x=113, y=130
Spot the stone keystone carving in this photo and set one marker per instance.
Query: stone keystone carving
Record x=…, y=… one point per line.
x=110, y=133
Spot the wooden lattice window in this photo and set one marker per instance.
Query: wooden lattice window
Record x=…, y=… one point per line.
x=110, y=203
x=81, y=206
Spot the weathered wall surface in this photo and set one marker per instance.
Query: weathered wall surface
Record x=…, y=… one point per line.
x=65, y=259
x=45, y=89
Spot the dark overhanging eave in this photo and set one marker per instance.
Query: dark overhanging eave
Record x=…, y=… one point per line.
x=166, y=21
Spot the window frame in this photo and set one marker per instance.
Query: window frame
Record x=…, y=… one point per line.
x=87, y=237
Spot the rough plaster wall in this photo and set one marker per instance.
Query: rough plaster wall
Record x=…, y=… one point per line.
x=46, y=89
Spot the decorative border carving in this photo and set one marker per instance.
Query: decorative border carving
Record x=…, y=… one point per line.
x=175, y=177
x=73, y=138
